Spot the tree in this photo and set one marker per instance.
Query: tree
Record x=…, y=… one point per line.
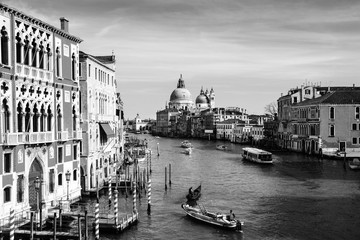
x=271, y=108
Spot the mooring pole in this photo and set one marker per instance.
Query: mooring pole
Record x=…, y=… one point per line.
x=158, y=151
x=149, y=196
x=110, y=193
x=97, y=236
x=134, y=198
x=170, y=174
x=31, y=225
x=79, y=226
x=116, y=206
x=54, y=233
x=165, y=178
x=12, y=224
x=86, y=226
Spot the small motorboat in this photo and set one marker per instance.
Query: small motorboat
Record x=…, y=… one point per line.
x=194, y=195
x=188, y=151
x=217, y=219
x=221, y=147
x=354, y=164
x=186, y=144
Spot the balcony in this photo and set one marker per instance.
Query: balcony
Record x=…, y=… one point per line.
x=62, y=136
x=10, y=139
x=36, y=137
x=32, y=72
x=77, y=134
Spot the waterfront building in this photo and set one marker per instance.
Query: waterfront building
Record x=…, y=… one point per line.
x=138, y=124
x=225, y=129
x=331, y=121
x=99, y=120
x=40, y=131
x=164, y=119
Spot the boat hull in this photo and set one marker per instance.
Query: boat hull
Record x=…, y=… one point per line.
x=218, y=220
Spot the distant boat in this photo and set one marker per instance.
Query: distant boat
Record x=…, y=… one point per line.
x=186, y=144
x=221, y=147
x=217, y=219
x=257, y=155
x=354, y=164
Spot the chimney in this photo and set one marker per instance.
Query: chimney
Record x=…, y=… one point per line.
x=64, y=24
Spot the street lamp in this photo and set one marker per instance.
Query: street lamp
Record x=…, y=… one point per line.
x=67, y=175
x=37, y=189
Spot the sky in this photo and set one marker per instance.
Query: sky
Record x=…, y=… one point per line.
x=249, y=51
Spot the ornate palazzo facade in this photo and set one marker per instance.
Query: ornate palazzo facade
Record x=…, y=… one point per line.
x=39, y=120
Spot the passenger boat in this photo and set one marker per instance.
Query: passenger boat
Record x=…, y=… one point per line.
x=257, y=155
x=194, y=195
x=186, y=144
x=354, y=164
x=217, y=219
x=221, y=147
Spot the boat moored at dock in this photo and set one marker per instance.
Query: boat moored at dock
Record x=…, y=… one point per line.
x=257, y=155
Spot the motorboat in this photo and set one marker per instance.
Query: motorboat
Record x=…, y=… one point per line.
x=217, y=219
x=186, y=144
x=257, y=155
x=188, y=151
x=194, y=195
x=354, y=164
x=221, y=147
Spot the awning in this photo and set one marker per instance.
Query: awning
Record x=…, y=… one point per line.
x=107, y=129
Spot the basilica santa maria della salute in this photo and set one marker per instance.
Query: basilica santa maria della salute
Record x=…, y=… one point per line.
x=180, y=98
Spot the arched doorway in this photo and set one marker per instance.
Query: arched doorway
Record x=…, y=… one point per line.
x=35, y=171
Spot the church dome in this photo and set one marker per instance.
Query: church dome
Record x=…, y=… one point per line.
x=180, y=94
x=201, y=99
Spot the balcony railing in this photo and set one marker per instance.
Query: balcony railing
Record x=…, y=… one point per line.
x=32, y=72
x=62, y=136
x=37, y=137
x=77, y=134
x=10, y=139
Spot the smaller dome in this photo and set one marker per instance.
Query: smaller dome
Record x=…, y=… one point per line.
x=201, y=99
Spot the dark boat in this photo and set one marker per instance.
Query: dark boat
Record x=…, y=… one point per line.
x=194, y=195
x=217, y=219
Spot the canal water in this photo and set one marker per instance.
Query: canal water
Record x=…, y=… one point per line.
x=298, y=197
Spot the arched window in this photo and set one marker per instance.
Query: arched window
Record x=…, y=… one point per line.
x=73, y=67
x=331, y=130
x=6, y=115
x=7, y=194
x=42, y=118
x=49, y=119
x=74, y=118
x=57, y=62
x=4, y=46
x=35, y=119
x=20, y=118
x=34, y=54
x=59, y=118
x=27, y=118
x=18, y=48
x=41, y=56
x=26, y=50
x=48, y=57
x=20, y=188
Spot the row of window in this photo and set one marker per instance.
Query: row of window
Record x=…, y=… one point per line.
x=356, y=140
x=332, y=113
x=103, y=76
x=355, y=127
x=20, y=185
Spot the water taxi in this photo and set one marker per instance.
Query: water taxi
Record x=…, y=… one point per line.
x=257, y=155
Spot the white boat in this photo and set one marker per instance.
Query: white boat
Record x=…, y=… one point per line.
x=221, y=147
x=217, y=219
x=186, y=144
x=188, y=151
x=354, y=164
x=257, y=155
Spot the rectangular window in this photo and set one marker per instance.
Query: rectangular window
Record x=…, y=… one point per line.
x=80, y=72
x=7, y=194
x=7, y=162
x=89, y=70
x=75, y=152
x=354, y=126
x=331, y=130
x=332, y=113
x=51, y=180
x=60, y=154
x=357, y=113
x=20, y=188
x=354, y=140
x=60, y=180
x=95, y=73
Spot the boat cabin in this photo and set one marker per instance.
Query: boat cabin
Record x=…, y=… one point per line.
x=257, y=155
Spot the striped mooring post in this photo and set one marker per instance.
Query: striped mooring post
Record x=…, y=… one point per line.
x=97, y=236
x=149, y=196
x=134, y=197
x=12, y=224
x=116, y=207
x=110, y=193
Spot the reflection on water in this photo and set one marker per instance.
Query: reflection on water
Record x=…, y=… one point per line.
x=298, y=197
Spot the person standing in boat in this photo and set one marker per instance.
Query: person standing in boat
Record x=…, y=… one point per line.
x=231, y=217
x=190, y=191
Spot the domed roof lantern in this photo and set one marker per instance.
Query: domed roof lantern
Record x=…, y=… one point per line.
x=201, y=91
x=181, y=83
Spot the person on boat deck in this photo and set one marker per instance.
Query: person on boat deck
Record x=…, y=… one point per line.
x=190, y=191
x=231, y=216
